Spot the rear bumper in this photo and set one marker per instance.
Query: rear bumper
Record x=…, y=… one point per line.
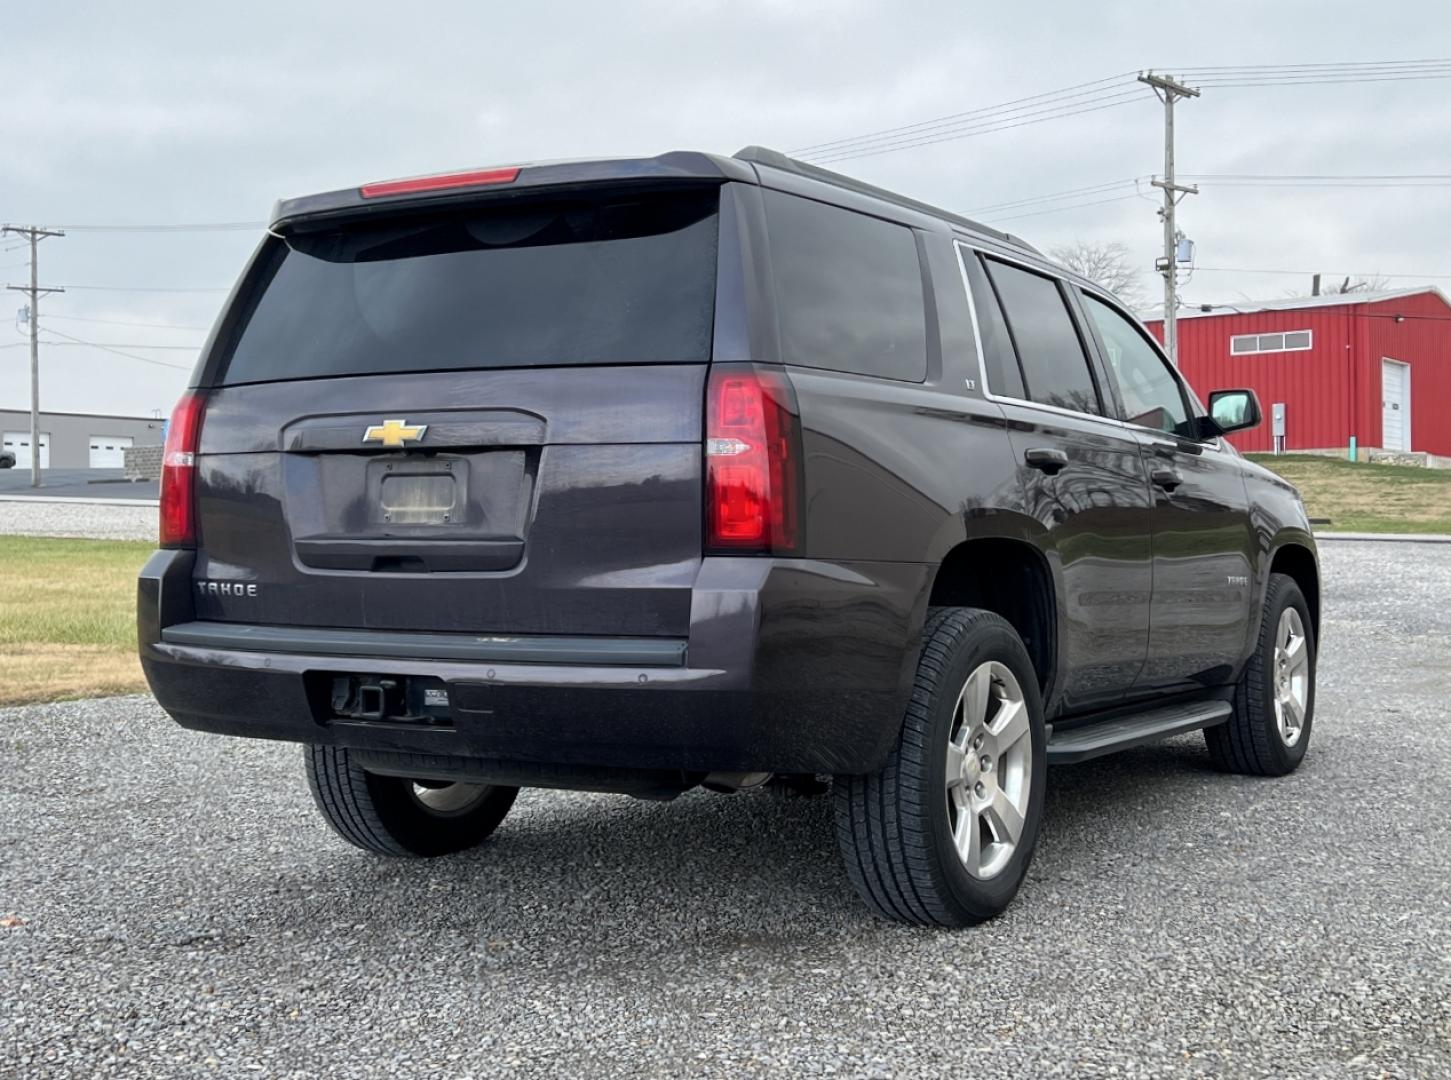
x=790, y=665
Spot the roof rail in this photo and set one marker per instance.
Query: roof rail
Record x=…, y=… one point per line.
x=761, y=155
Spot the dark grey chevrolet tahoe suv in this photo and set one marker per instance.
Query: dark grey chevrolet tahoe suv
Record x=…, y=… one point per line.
x=639, y=475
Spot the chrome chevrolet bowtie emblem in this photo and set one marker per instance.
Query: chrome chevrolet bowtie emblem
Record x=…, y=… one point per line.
x=394, y=432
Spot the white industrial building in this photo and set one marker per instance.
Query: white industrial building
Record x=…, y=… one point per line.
x=77, y=440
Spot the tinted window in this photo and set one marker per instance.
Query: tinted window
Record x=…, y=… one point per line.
x=583, y=282
x=1150, y=392
x=1003, y=374
x=1055, y=367
x=848, y=290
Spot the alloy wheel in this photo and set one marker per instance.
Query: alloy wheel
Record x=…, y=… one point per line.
x=446, y=799
x=989, y=769
x=1291, y=689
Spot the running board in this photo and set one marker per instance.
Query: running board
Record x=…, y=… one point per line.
x=1095, y=740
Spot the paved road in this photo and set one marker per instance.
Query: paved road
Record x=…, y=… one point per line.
x=186, y=912
x=78, y=483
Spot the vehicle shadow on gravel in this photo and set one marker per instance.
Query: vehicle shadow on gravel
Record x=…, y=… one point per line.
x=585, y=874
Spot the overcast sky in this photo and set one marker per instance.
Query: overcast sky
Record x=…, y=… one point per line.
x=143, y=113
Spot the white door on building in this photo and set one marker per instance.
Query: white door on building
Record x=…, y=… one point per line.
x=109, y=451
x=18, y=443
x=1395, y=403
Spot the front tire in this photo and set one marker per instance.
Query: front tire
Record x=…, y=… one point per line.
x=392, y=815
x=943, y=834
x=1274, y=703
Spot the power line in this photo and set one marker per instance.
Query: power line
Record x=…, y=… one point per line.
x=1055, y=112
x=1316, y=82
x=1288, y=74
x=1349, y=72
x=1109, y=92
x=1190, y=70
x=1055, y=196
x=1328, y=182
x=888, y=148
x=961, y=116
x=1309, y=273
x=1060, y=209
x=145, y=288
x=218, y=226
x=117, y=344
x=118, y=352
x=1073, y=197
x=124, y=322
x=1323, y=176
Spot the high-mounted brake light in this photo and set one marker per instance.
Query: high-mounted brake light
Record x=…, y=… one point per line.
x=178, y=472
x=752, y=461
x=441, y=182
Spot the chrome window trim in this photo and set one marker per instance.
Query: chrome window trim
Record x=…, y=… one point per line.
x=987, y=392
x=959, y=244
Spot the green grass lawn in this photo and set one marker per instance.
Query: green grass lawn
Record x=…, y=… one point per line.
x=68, y=618
x=1358, y=497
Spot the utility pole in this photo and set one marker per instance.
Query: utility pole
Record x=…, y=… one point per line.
x=1168, y=91
x=35, y=234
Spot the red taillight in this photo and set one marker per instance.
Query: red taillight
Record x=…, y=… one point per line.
x=178, y=472
x=752, y=461
x=441, y=182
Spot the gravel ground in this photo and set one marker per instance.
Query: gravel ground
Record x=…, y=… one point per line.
x=90, y=520
x=185, y=910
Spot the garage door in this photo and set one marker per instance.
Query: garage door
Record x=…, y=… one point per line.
x=18, y=443
x=1395, y=394
x=109, y=451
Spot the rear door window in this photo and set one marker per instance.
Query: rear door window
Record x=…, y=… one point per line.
x=849, y=290
x=1055, y=365
x=604, y=280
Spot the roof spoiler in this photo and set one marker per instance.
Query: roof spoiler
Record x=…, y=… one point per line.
x=451, y=189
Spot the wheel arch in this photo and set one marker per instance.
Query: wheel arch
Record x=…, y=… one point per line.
x=1297, y=560
x=1009, y=575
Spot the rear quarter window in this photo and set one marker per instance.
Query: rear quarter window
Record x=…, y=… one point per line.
x=849, y=290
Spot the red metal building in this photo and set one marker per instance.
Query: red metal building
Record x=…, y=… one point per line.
x=1376, y=366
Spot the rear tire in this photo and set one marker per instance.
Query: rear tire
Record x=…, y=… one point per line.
x=1274, y=703
x=391, y=815
x=943, y=834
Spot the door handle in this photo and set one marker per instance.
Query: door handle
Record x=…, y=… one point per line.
x=1046, y=459
x=1165, y=477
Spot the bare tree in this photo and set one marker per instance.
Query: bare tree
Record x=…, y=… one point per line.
x=1331, y=287
x=1109, y=265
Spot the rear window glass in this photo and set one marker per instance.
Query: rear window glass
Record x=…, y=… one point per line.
x=624, y=280
x=848, y=290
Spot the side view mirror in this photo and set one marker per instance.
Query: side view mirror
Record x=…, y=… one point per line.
x=1233, y=410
